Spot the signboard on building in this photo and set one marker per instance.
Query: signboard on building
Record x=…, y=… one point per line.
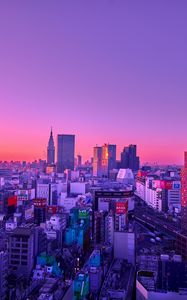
x=121, y=207
x=52, y=209
x=12, y=201
x=83, y=213
x=166, y=184
x=176, y=185
x=103, y=199
x=40, y=202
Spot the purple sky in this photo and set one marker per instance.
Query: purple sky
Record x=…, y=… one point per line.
x=108, y=71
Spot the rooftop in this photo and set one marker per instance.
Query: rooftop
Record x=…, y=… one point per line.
x=118, y=282
x=23, y=230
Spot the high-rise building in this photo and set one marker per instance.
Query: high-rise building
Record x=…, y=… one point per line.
x=97, y=162
x=129, y=158
x=79, y=160
x=125, y=158
x=108, y=158
x=51, y=150
x=65, y=152
x=104, y=160
x=184, y=194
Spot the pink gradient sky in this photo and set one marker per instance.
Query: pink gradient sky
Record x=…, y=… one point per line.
x=108, y=71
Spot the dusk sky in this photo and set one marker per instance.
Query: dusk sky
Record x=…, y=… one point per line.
x=108, y=71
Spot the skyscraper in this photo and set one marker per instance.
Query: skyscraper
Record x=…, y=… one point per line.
x=79, y=160
x=104, y=160
x=129, y=158
x=108, y=158
x=184, y=194
x=97, y=159
x=65, y=152
x=111, y=157
x=51, y=150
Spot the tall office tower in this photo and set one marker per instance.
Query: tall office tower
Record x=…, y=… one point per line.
x=129, y=158
x=133, y=158
x=97, y=161
x=51, y=150
x=111, y=157
x=125, y=158
x=184, y=194
x=65, y=152
x=79, y=160
x=108, y=158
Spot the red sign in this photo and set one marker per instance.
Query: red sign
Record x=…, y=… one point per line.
x=121, y=207
x=142, y=173
x=40, y=202
x=12, y=201
x=52, y=209
x=166, y=184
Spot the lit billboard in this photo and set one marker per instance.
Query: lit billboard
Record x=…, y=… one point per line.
x=83, y=213
x=105, y=199
x=121, y=207
x=40, y=202
x=166, y=184
x=176, y=185
x=12, y=201
x=52, y=209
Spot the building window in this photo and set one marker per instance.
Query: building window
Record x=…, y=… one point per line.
x=24, y=256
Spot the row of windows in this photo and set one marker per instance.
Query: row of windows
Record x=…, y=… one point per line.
x=19, y=245
x=25, y=251
x=15, y=262
x=18, y=239
x=18, y=256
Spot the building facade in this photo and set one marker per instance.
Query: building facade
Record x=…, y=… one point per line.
x=97, y=161
x=104, y=160
x=65, y=152
x=51, y=150
x=129, y=158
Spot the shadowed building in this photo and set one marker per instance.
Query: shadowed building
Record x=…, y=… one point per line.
x=65, y=152
x=51, y=150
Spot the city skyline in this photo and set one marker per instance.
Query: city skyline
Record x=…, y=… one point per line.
x=86, y=155
x=105, y=71
x=93, y=150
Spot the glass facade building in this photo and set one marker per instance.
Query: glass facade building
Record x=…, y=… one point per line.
x=65, y=152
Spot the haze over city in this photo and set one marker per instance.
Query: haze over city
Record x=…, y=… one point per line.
x=106, y=71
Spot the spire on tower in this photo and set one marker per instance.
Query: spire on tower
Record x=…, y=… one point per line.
x=51, y=149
